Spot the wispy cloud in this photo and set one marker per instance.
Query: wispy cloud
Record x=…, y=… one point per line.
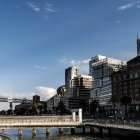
x=40, y=67
x=83, y=65
x=33, y=6
x=44, y=68
x=73, y=62
x=45, y=9
x=126, y=6
x=49, y=8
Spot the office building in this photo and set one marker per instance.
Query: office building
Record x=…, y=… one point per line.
x=82, y=85
x=100, y=68
x=70, y=73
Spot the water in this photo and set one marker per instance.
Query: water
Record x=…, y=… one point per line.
x=54, y=135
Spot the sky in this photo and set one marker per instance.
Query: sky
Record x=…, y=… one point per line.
x=39, y=39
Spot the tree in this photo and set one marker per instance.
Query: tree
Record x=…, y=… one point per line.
x=93, y=105
x=45, y=107
x=40, y=106
x=84, y=105
x=32, y=111
x=61, y=108
x=22, y=111
x=113, y=100
x=125, y=100
x=16, y=111
x=8, y=112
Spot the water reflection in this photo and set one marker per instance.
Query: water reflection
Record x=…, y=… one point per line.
x=54, y=135
x=63, y=137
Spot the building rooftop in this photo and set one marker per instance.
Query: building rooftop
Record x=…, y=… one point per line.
x=85, y=76
x=137, y=58
x=72, y=67
x=98, y=56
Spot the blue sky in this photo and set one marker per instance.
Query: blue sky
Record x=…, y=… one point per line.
x=40, y=38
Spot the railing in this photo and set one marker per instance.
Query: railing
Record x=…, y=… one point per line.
x=38, y=121
x=113, y=122
x=38, y=118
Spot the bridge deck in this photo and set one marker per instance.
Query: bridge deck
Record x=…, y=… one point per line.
x=38, y=122
x=119, y=125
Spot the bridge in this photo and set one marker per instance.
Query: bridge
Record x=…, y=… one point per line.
x=119, y=125
x=69, y=121
x=109, y=125
x=26, y=122
x=14, y=100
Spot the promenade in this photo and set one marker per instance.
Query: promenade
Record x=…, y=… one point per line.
x=69, y=121
x=28, y=122
x=110, y=124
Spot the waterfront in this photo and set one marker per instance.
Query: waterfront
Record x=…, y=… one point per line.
x=54, y=135
x=64, y=137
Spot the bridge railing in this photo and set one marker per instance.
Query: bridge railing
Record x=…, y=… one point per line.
x=113, y=122
x=29, y=119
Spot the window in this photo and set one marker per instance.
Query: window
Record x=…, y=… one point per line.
x=136, y=74
x=124, y=77
x=131, y=75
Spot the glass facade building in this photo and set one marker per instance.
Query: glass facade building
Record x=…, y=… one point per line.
x=101, y=68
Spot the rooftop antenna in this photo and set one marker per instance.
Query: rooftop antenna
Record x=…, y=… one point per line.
x=137, y=36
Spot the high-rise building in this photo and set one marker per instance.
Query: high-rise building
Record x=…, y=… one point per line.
x=70, y=73
x=101, y=68
x=138, y=46
x=82, y=85
x=96, y=59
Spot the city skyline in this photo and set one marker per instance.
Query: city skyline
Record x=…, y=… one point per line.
x=41, y=38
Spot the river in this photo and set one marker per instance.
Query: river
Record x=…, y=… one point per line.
x=54, y=135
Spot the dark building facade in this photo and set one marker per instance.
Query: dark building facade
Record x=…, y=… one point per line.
x=80, y=92
x=138, y=46
x=36, y=99
x=82, y=86
x=127, y=81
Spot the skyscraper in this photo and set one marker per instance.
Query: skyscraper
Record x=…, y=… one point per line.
x=101, y=69
x=70, y=73
x=82, y=85
x=138, y=46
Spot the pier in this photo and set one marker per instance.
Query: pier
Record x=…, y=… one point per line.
x=69, y=121
x=28, y=122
